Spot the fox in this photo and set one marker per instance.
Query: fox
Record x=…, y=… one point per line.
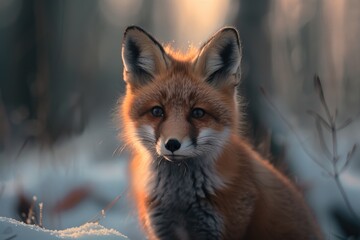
x=193, y=175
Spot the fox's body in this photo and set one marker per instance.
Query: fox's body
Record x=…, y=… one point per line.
x=193, y=176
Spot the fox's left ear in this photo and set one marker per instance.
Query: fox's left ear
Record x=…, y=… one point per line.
x=219, y=58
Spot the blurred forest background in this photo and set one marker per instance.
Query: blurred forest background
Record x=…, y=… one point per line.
x=61, y=77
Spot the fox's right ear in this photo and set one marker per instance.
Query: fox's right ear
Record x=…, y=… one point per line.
x=142, y=55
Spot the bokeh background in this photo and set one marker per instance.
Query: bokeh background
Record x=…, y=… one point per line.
x=61, y=78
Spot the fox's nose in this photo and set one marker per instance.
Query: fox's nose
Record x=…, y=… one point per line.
x=172, y=145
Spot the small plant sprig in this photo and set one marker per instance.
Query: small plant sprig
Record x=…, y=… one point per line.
x=31, y=214
x=30, y=217
x=102, y=213
x=329, y=123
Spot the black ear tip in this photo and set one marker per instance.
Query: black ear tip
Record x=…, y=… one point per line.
x=138, y=29
x=229, y=28
x=231, y=31
x=132, y=28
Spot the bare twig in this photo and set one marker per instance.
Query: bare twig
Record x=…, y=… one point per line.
x=346, y=123
x=335, y=145
x=322, y=140
x=348, y=158
x=330, y=126
x=102, y=213
x=335, y=156
x=31, y=214
x=41, y=205
x=320, y=118
x=319, y=89
x=302, y=144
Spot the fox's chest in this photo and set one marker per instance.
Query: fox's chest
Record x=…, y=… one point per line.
x=179, y=206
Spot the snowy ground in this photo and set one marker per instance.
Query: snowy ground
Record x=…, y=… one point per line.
x=12, y=229
x=74, y=181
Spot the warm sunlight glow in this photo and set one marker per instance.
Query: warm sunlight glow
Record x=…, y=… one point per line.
x=116, y=12
x=334, y=40
x=290, y=21
x=196, y=20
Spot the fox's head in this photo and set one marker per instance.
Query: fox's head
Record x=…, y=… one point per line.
x=180, y=107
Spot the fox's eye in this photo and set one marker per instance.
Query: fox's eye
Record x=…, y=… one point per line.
x=157, y=111
x=197, y=113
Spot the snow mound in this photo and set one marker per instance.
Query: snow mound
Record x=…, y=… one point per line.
x=12, y=229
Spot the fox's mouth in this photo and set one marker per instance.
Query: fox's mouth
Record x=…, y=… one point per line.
x=173, y=157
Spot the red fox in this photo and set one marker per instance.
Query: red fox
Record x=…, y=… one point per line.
x=193, y=175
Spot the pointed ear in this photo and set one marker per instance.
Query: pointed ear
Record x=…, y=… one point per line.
x=219, y=58
x=143, y=57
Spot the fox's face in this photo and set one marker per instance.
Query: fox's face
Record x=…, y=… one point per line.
x=180, y=109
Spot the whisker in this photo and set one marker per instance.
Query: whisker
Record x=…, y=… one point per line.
x=119, y=149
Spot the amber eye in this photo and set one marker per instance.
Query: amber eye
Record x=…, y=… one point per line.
x=157, y=111
x=197, y=113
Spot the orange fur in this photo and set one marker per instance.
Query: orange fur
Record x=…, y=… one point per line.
x=247, y=197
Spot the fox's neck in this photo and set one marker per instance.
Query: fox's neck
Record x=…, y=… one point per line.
x=178, y=199
x=191, y=178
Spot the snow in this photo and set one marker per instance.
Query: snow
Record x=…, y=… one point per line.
x=82, y=164
x=12, y=229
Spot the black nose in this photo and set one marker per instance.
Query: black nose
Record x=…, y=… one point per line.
x=172, y=145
